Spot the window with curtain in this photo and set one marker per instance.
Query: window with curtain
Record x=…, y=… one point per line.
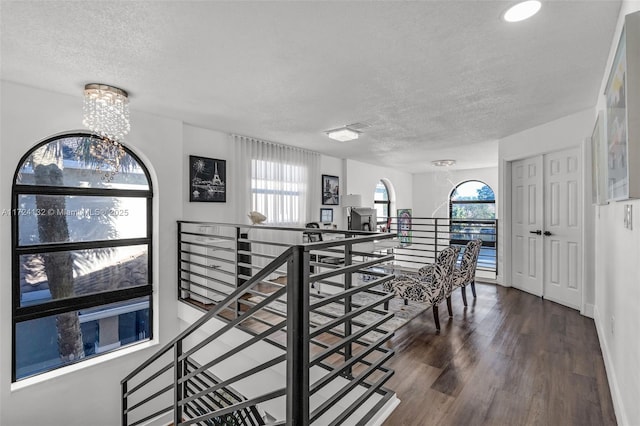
x=279, y=181
x=277, y=190
x=81, y=222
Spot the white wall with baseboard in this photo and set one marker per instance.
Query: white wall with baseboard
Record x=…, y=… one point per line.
x=617, y=281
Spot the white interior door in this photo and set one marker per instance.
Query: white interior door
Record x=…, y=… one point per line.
x=563, y=228
x=526, y=225
x=546, y=226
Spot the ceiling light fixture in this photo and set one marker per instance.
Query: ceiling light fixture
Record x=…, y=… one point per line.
x=106, y=111
x=343, y=134
x=443, y=163
x=521, y=11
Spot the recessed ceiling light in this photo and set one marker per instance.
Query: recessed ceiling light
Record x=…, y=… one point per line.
x=443, y=163
x=522, y=11
x=343, y=134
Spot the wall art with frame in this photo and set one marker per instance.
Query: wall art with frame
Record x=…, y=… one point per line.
x=622, y=94
x=326, y=216
x=330, y=190
x=405, y=226
x=207, y=180
x=598, y=162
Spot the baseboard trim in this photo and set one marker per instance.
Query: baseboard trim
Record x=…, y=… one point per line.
x=618, y=407
x=588, y=310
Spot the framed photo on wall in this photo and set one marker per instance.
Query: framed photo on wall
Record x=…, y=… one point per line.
x=207, y=180
x=326, y=216
x=622, y=129
x=598, y=162
x=616, y=99
x=330, y=190
x=404, y=226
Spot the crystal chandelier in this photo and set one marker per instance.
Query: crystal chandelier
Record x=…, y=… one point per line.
x=106, y=111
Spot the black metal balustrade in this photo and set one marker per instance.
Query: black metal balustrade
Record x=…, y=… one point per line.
x=421, y=239
x=292, y=332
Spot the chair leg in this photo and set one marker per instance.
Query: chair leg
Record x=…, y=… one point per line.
x=449, y=306
x=436, y=317
x=463, y=289
x=473, y=288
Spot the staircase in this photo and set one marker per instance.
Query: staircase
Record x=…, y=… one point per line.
x=272, y=351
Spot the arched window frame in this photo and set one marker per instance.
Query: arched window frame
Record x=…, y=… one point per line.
x=456, y=223
x=55, y=307
x=383, y=222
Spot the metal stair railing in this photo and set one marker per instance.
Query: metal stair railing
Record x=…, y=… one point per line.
x=329, y=342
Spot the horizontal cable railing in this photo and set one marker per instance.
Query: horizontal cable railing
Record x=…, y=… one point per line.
x=292, y=333
x=422, y=238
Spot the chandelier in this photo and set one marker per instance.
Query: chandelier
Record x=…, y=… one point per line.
x=106, y=111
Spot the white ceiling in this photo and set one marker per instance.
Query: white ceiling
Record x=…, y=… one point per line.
x=433, y=79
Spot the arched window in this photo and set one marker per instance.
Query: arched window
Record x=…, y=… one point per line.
x=81, y=252
x=471, y=205
x=382, y=204
x=472, y=199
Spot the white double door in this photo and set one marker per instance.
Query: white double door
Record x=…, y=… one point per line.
x=546, y=226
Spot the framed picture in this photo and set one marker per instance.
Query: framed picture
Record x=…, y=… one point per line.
x=330, y=190
x=598, y=163
x=404, y=226
x=622, y=128
x=326, y=216
x=616, y=100
x=207, y=180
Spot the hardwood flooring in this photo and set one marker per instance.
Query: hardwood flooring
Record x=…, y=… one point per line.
x=509, y=358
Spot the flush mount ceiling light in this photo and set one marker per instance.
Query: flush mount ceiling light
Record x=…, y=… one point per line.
x=106, y=111
x=521, y=11
x=343, y=134
x=443, y=163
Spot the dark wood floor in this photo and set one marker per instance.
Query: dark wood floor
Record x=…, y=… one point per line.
x=509, y=358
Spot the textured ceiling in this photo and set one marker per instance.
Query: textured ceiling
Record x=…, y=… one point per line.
x=433, y=79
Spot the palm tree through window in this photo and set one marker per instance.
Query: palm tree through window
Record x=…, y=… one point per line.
x=81, y=252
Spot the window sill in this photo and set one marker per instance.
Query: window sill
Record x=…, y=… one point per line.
x=70, y=369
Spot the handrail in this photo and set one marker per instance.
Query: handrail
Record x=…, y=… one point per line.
x=425, y=237
x=205, y=318
x=235, y=274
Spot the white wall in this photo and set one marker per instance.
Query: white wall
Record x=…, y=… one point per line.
x=362, y=178
x=212, y=144
x=431, y=191
x=570, y=131
x=617, y=284
x=88, y=393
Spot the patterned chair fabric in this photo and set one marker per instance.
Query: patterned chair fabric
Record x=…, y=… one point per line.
x=432, y=283
x=466, y=273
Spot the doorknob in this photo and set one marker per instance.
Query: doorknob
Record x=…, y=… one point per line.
x=547, y=233
x=537, y=232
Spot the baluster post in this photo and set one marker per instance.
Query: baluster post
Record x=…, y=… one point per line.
x=348, y=283
x=298, y=338
x=177, y=387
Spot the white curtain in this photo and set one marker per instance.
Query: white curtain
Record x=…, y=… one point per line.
x=279, y=181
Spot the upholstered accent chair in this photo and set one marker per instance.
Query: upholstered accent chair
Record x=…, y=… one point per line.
x=465, y=274
x=430, y=285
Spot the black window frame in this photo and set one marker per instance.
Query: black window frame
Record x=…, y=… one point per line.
x=386, y=202
x=453, y=221
x=58, y=306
